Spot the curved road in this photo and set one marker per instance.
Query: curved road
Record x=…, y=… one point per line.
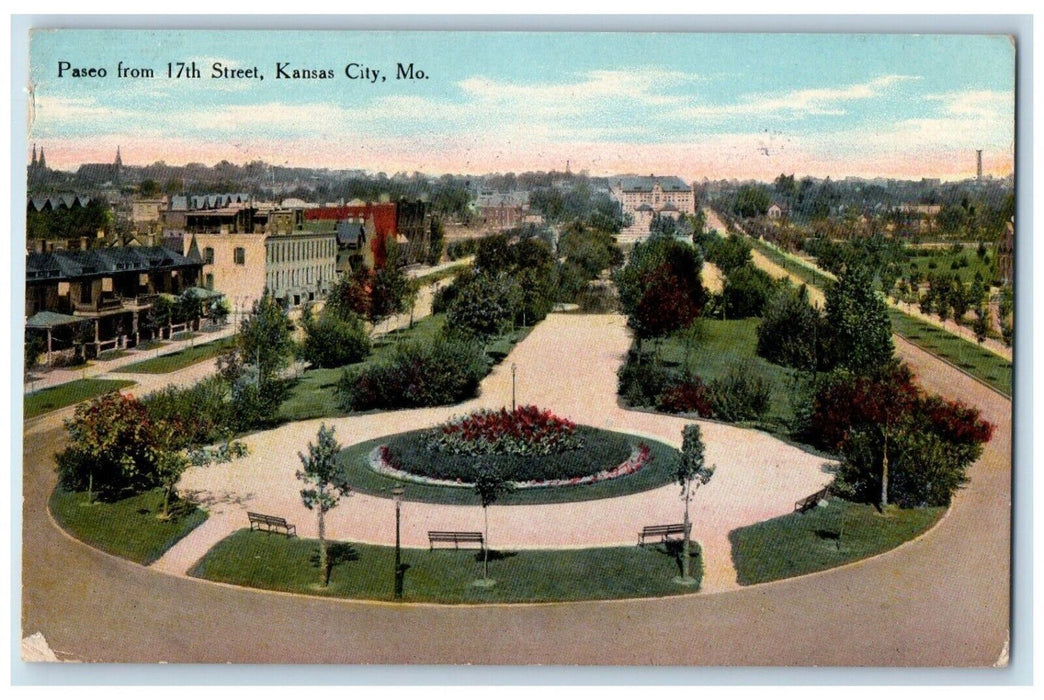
x=941, y=600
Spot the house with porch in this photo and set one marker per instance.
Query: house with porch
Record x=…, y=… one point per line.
x=100, y=297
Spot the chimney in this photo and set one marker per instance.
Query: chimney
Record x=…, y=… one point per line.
x=978, y=164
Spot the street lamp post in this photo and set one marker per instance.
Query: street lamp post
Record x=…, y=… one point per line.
x=397, y=495
x=514, y=367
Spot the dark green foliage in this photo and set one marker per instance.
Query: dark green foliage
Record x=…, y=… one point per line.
x=727, y=253
x=436, y=241
x=747, y=290
x=264, y=338
x=792, y=332
x=642, y=384
x=660, y=288
x=462, y=249
x=331, y=341
x=35, y=345
x=445, y=371
x=752, y=200
x=74, y=222
x=741, y=395
x=203, y=410
x=857, y=318
x=601, y=450
x=484, y=307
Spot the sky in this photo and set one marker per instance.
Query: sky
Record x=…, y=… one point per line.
x=693, y=105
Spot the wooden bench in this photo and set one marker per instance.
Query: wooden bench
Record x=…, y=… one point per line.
x=662, y=532
x=809, y=502
x=457, y=538
x=270, y=523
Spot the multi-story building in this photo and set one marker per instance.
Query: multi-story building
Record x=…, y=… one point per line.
x=108, y=287
x=296, y=268
x=407, y=223
x=644, y=198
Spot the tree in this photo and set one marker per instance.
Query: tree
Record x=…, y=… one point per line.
x=982, y=323
x=265, y=339
x=112, y=447
x=751, y=201
x=791, y=331
x=691, y=474
x=747, y=289
x=325, y=485
x=858, y=324
x=148, y=188
x=660, y=288
x=35, y=346
x=391, y=289
x=490, y=485
x=436, y=241
x=483, y=307
x=174, y=456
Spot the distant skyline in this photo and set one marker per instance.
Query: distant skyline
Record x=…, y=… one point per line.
x=696, y=105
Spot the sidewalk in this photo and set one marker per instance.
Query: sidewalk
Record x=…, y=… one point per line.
x=97, y=368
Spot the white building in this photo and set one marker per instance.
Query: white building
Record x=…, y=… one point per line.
x=643, y=198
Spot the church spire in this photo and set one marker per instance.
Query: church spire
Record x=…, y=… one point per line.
x=34, y=156
x=119, y=161
x=42, y=163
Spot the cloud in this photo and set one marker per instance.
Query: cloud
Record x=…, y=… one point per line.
x=815, y=101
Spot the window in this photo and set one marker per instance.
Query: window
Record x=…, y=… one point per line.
x=209, y=284
x=239, y=256
x=208, y=255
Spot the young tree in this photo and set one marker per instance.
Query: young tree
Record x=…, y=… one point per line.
x=265, y=339
x=173, y=457
x=325, y=485
x=490, y=485
x=691, y=474
x=391, y=290
x=436, y=241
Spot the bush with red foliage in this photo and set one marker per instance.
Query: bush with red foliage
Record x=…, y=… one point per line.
x=688, y=395
x=930, y=441
x=526, y=430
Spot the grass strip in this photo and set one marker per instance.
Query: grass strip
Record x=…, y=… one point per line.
x=128, y=528
x=822, y=538
x=179, y=360
x=363, y=571
x=56, y=397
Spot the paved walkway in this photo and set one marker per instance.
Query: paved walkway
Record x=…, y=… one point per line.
x=98, y=368
x=568, y=364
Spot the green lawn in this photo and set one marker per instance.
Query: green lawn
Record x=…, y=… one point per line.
x=127, y=528
x=180, y=359
x=451, y=271
x=982, y=364
x=801, y=543
x=53, y=398
x=363, y=571
x=725, y=344
x=656, y=473
x=944, y=258
x=314, y=394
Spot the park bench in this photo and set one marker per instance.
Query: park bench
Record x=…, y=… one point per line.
x=662, y=532
x=809, y=502
x=270, y=523
x=457, y=538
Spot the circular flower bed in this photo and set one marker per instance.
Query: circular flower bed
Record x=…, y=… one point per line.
x=524, y=431
x=529, y=446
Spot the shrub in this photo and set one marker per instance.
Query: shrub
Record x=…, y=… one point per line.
x=791, y=333
x=202, y=411
x=742, y=394
x=524, y=431
x=445, y=371
x=642, y=384
x=688, y=395
x=333, y=342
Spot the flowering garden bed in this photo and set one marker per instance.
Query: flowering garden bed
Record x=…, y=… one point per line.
x=608, y=465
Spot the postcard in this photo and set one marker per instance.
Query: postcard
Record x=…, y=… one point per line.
x=518, y=348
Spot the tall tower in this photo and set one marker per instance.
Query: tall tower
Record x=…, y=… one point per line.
x=978, y=165
x=42, y=163
x=34, y=156
x=119, y=161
